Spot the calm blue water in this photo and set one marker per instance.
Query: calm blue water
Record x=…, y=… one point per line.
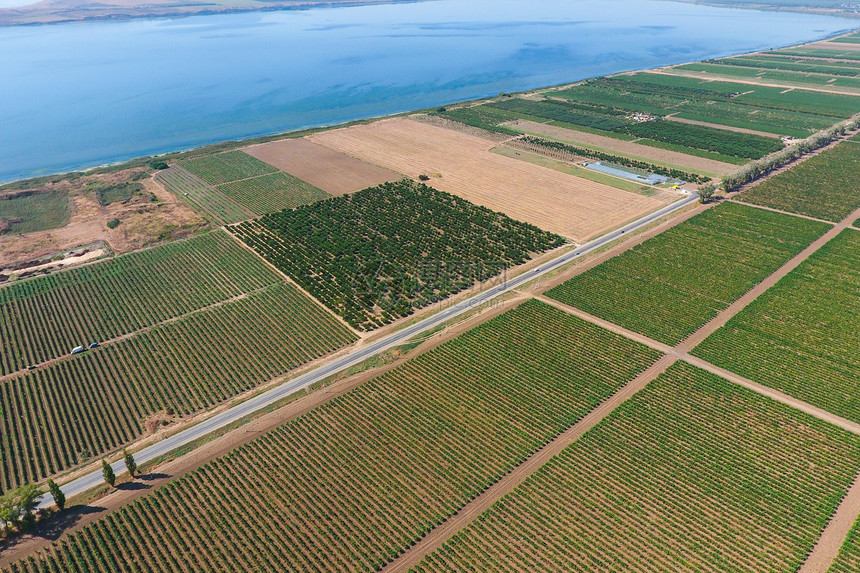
x=79, y=95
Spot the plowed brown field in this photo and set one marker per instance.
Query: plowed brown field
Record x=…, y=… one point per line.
x=464, y=165
x=333, y=172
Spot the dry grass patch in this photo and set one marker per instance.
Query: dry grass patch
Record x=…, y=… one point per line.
x=464, y=165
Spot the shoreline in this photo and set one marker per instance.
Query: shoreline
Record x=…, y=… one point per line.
x=230, y=144
x=30, y=16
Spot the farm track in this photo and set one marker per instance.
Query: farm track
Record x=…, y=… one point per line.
x=827, y=549
x=847, y=512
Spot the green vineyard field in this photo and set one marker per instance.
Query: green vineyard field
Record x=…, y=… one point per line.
x=45, y=317
x=587, y=114
x=767, y=75
x=227, y=167
x=823, y=186
x=356, y=481
x=691, y=474
x=56, y=417
x=712, y=102
x=188, y=186
x=777, y=63
x=380, y=253
x=251, y=183
x=841, y=106
x=802, y=336
x=672, y=284
x=272, y=192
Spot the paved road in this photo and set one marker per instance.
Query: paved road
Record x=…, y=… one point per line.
x=261, y=401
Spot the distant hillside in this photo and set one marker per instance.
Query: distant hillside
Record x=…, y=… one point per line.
x=58, y=11
x=817, y=6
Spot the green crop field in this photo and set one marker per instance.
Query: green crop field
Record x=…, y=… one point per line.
x=848, y=560
x=824, y=53
x=848, y=39
x=713, y=102
x=794, y=77
x=615, y=120
x=799, y=100
x=273, y=192
x=798, y=65
x=672, y=284
x=824, y=186
x=45, y=317
x=691, y=474
x=378, y=254
x=227, y=167
x=213, y=203
x=356, y=481
x=61, y=415
x=246, y=181
x=482, y=117
x=30, y=211
x=802, y=336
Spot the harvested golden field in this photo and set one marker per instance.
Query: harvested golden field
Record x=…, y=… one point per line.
x=632, y=149
x=333, y=172
x=464, y=165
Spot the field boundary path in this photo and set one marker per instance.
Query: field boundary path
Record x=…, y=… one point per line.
x=827, y=548
x=437, y=537
x=270, y=397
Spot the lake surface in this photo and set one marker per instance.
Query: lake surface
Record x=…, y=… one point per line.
x=79, y=95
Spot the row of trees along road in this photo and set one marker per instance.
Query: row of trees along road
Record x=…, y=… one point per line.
x=18, y=506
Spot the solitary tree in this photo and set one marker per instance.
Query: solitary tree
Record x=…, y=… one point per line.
x=59, y=496
x=130, y=464
x=107, y=472
x=706, y=192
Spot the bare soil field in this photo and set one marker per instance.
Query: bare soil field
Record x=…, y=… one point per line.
x=664, y=156
x=464, y=165
x=142, y=222
x=333, y=172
